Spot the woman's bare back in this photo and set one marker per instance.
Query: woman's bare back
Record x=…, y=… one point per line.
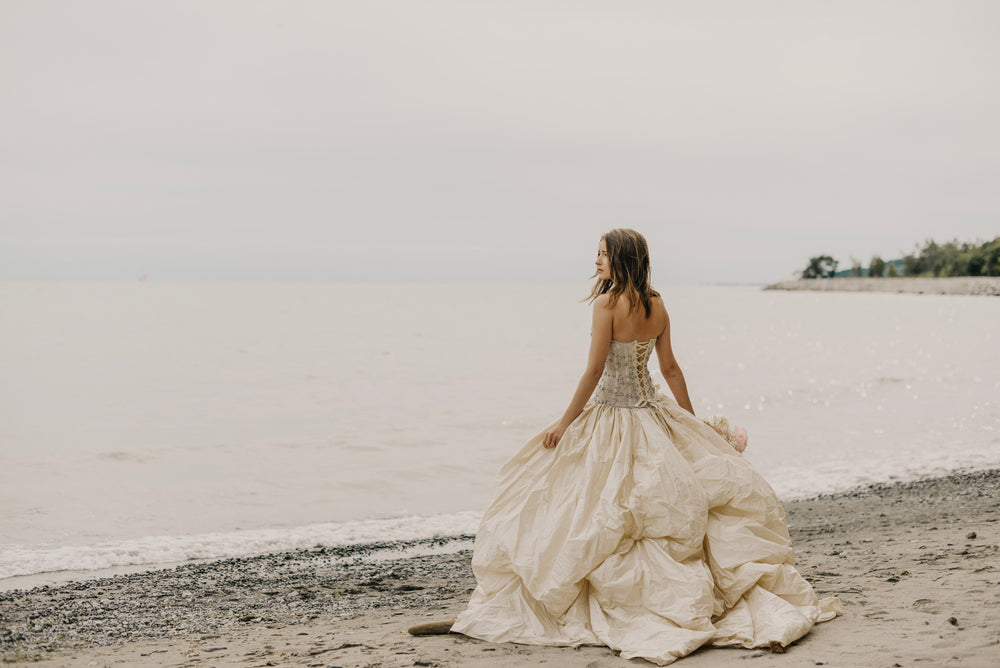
x=635, y=326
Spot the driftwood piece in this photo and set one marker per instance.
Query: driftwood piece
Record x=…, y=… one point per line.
x=431, y=628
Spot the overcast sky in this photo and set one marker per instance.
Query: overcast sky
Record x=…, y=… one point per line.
x=489, y=141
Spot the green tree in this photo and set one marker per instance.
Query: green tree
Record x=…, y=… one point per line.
x=876, y=267
x=953, y=259
x=856, y=269
x=933, y=256
x=990, y=255
x=821, y=266
x=892, y=273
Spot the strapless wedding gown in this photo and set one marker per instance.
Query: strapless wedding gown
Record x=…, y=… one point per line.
x=643, y=530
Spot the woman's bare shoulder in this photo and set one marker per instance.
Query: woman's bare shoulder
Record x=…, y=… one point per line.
x=658, y=305
x=660, y=311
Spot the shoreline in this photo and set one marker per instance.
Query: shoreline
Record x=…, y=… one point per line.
x=916, y=565
x=959, y=285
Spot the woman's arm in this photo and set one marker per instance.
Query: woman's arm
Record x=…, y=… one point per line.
x=600, y=342
x=670, y=369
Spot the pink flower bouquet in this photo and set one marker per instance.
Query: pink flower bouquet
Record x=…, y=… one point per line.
x=735, y=436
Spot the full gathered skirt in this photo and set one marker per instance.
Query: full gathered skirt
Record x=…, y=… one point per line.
x=643, y=530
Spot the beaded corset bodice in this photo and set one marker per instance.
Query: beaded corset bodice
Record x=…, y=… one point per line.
x=626, y=382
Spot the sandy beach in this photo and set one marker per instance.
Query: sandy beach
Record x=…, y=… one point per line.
x=922, y=285
x=916, y=565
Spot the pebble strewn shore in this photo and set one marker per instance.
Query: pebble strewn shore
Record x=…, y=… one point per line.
x=209, y=598
x=916, y=564
x=978, y=285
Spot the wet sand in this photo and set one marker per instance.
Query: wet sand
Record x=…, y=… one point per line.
x=916, y=565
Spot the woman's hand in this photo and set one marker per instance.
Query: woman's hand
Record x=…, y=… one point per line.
x=552, y=436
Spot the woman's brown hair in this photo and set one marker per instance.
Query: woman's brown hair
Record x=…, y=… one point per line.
x=629, y=258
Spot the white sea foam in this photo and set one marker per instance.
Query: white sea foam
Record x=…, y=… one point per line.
x=797, y=482
x=154, y=550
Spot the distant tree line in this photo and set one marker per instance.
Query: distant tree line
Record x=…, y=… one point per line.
x=933, y=259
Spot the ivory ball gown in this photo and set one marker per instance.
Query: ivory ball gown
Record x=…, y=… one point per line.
x=643, y=530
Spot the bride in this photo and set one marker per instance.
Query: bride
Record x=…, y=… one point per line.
x=631, y=523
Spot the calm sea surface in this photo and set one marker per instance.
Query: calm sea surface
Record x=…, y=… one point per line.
x=147, y=423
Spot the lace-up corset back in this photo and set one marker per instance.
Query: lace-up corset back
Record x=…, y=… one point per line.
x=626, y=380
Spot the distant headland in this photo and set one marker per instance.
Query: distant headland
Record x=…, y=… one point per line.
x=951, y=268
x=955, y=285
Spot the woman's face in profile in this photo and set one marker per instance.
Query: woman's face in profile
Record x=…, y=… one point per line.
x=602, y=263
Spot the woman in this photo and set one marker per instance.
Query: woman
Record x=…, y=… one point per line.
x=631, y=523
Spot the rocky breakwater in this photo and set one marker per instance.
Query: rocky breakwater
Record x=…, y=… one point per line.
x=962, y=285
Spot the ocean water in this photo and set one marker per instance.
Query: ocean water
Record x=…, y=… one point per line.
x=152, y=423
